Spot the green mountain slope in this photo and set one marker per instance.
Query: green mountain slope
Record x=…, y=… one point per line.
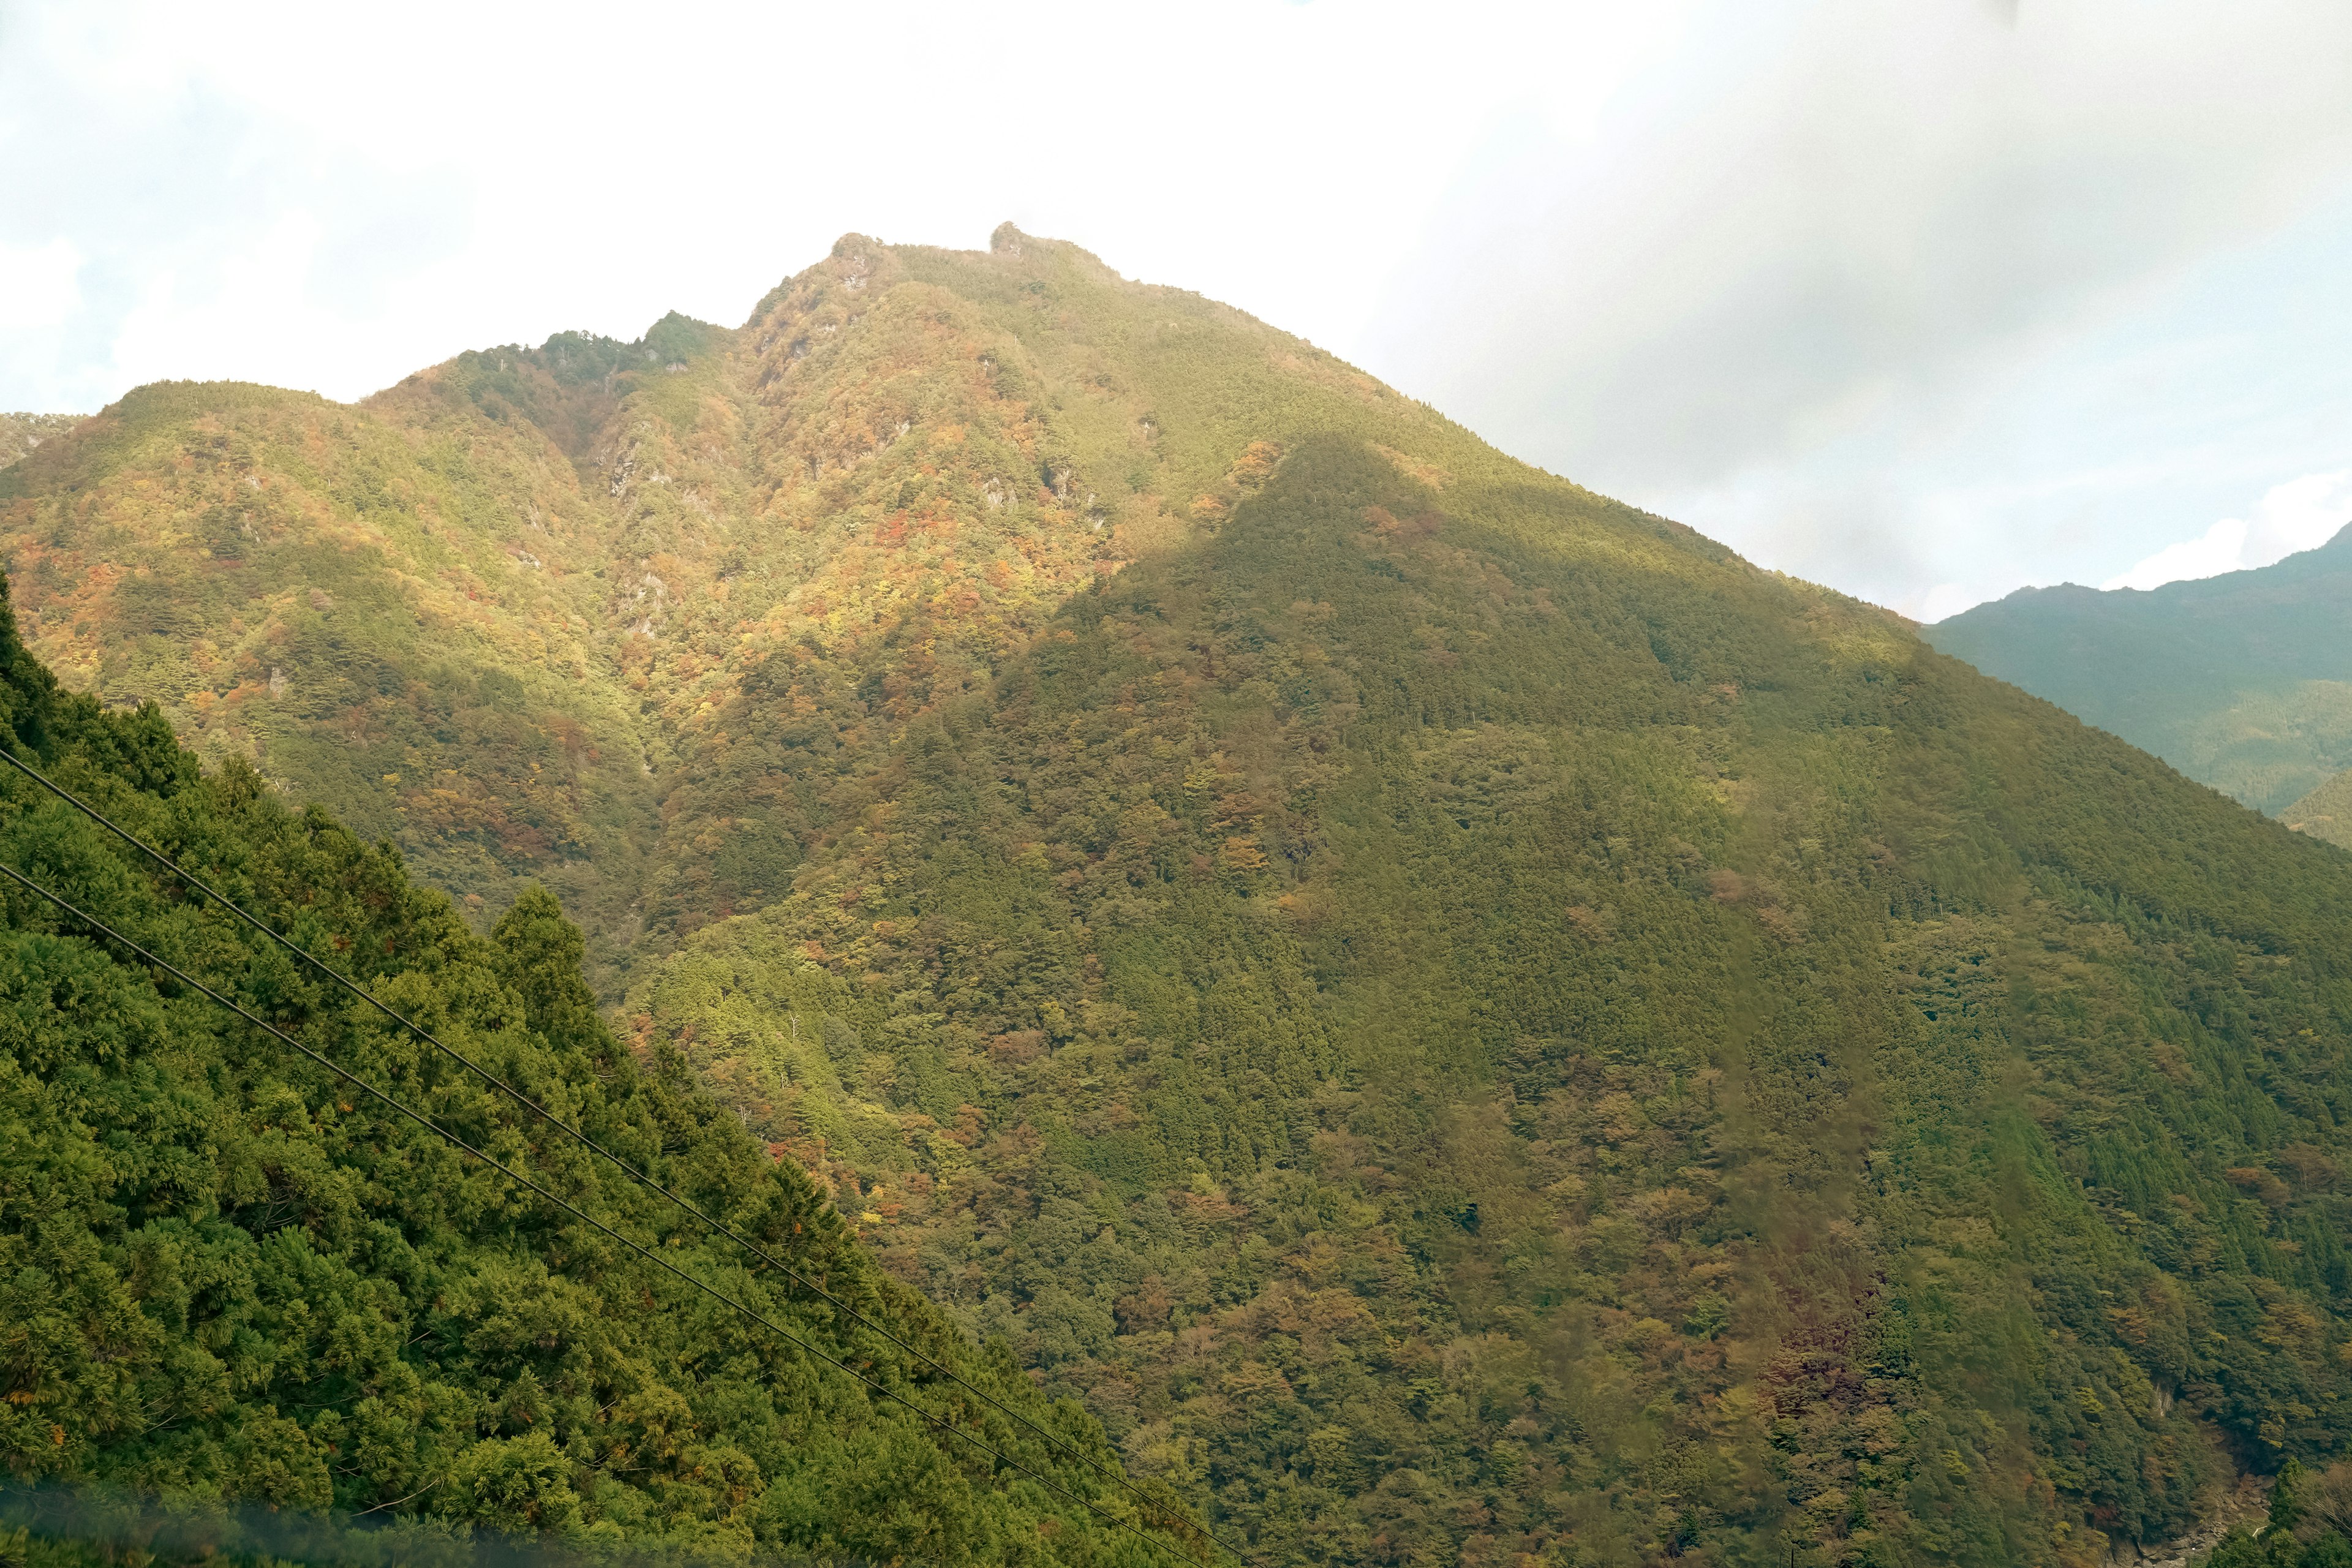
x=1472, y=1023
x=2242, y=682
x=904, y=462
x=620, y=616
x=396, y=616
x=1463, y=1022
x=225, y=1278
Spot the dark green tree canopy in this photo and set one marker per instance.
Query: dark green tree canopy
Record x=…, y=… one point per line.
x=228, y=1275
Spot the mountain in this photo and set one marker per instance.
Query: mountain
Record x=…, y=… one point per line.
x=394, y=614
x=2325, y=811
x=2242, y=681
x=1465, y=1023
x=20, y=433
x=230, y=1274
x=494, y=613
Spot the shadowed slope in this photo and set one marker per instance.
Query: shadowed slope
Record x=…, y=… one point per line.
x=1470, y=1022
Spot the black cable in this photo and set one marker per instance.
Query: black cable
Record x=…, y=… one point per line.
x=570, y=1208
x=716, y=1226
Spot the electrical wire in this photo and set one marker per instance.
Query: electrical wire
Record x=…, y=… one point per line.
x=430, y=1125
x=716, y=1227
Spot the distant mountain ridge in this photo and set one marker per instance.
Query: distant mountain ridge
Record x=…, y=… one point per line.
x=20, y=433
x=2242, y=681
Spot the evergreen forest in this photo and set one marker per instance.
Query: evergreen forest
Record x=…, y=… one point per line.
x=232, y=1274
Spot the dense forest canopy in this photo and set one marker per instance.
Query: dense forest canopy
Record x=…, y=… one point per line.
x=1464, y=1023
x=230, y=1274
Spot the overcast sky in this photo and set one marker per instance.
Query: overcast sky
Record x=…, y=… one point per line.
x=1926, y=300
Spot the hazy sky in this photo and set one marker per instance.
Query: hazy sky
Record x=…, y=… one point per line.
x=1923, y=299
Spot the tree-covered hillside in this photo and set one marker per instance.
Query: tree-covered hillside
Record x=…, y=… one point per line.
x=229, y=1274
x=1467, y=1024
x=395, y=618
x=2242, y=682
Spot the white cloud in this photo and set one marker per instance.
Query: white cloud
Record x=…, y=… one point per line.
x=251, y=320
x=2301, y=514
x=1843, y=208
x=464, y=158
x=1899, y=297
x=1926, y=301
x=2220, y=548
x=37, y=287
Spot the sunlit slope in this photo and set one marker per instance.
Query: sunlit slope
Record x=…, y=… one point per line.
x=1467, y=1021
x=230, y=1275
x=908, y=460
x=394, y=614
x=727, y=567
x=2242, y=682
x=2325, y=811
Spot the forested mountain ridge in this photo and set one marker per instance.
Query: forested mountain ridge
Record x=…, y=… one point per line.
x=614, y=616
x=913, y=458
x=396, y=616
x=229, y=1274
x=2242, y=681
x=1467, y=1023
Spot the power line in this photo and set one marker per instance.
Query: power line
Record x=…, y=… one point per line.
x=716, y=1227
x=430, y=1125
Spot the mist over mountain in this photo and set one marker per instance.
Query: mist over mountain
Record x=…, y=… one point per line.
x=1460, y=1020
